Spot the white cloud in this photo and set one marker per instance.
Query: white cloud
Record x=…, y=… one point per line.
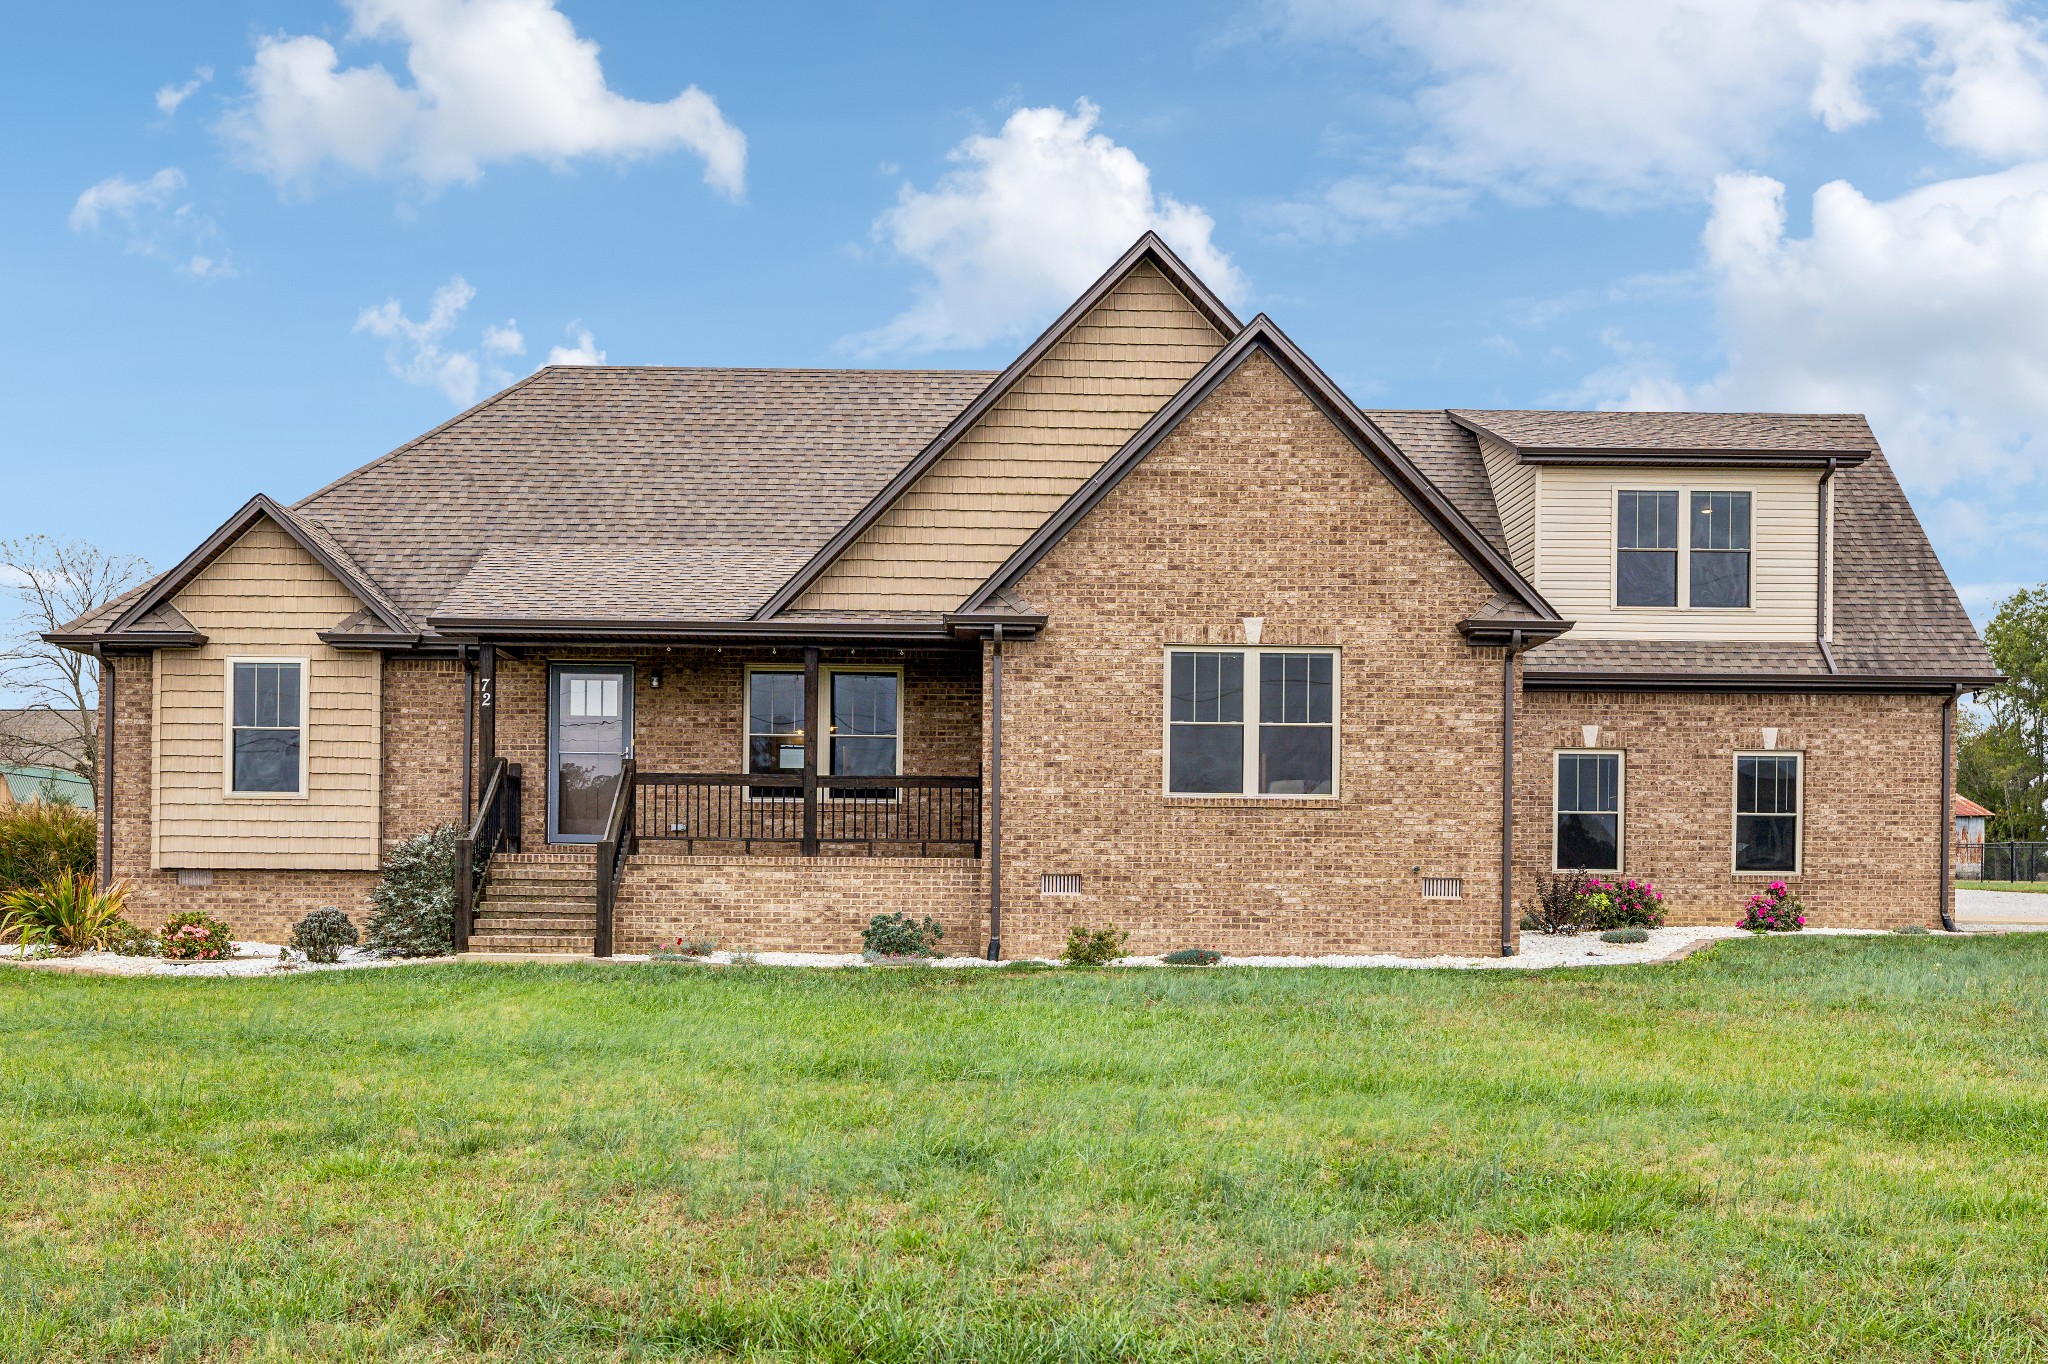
x=491, y=81
x=417, y=353
x=169, y=97
x=155, y=220
x=1027, y=220
x=1613, y=106
x=584, y=352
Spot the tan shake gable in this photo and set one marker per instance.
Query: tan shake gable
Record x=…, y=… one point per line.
x=1037, y=435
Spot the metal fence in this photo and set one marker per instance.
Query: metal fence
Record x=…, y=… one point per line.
x=2001, y=862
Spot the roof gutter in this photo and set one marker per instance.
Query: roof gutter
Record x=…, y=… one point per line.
x=126, y=639
x=783, y=631
x=1754, y=682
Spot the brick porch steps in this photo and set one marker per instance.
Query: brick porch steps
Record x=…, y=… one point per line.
x=538, y=903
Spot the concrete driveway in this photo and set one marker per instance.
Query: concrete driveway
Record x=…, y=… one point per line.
x=2001, y=911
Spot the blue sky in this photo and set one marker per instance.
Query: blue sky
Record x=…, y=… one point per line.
x=252, y=245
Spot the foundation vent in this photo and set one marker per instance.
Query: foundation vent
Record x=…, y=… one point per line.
x=190, y=877
x=1443, y=887
x=1060, y=883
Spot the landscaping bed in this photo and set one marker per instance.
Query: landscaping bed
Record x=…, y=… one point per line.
x=1819, y=1146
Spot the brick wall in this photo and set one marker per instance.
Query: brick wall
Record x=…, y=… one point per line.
x=1255, y=506
x=794, y=904
x=1871, y=855
x=695, y=722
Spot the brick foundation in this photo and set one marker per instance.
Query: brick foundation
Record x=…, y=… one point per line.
x=795, y=904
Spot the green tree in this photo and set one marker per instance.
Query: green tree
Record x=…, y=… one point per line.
x=2012, y=754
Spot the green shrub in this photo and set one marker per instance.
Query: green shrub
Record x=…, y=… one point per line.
x=1626, y=935
x=412, y=910
x=1623, y=903
x=1919, y=930
x=1559, y=907
x=132, y=940
x=1192, y=956
x=1093, y=946
x=895, y=935
x=322, y=934
x=40, y=842
x=196, y=936
x=68, y=912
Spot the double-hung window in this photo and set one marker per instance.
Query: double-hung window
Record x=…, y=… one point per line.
x=1767, y=812
x=1282, y=744
x=863, y=725
x=775, y=722
x=1588, y=829
x=1702, y=559
x=266, y=721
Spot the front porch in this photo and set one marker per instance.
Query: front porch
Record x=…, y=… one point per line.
x=630, y=784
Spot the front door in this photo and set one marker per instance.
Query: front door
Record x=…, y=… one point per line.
x=590, y=735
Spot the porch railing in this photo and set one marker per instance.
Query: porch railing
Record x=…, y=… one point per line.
x=612, y=851
x=749, y=809
x=2011, y=861
x=496, y=826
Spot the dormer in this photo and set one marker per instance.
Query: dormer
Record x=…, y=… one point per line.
x=1672, y=525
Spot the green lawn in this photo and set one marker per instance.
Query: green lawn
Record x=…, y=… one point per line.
x=1828, y=1147
x=2039, y=887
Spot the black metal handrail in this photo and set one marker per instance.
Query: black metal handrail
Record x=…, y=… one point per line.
x=749, y=808
x=2002, y=861
x=496, y=827
x=612, y=851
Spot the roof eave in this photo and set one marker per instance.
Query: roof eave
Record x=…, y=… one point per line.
x=982, y=624
x=1691, y=459
x=1506, y=631
x=808, y=629
x=1902, y=683
x=85, y=643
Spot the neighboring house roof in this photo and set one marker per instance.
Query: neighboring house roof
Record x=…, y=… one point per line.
x=37, y=736
x=616, y=498
x=1969, y=809
x=53, y=785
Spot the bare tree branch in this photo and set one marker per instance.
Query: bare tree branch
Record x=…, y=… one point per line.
x=57, y=581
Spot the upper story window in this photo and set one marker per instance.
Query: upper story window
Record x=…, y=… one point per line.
x=1703, y=558
x=266, y=745
x=1288, y=749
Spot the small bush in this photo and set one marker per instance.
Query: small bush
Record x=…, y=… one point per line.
x=130, y=940
x=412, y=910
x=196, y=936
x=40, y=842
x=895, y=935
x=1093, y=946
x=1192, y=956
x=322, y=934
x=1559, y=907
x=1626, y=935
x=1774, y=909
x=1623, y=903
x=1915, y=930
x=69, y=913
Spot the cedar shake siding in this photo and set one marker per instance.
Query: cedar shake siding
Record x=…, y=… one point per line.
x=1255, y=506
x=1027, y=454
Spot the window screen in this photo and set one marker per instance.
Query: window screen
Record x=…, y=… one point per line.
x=1589, y=811
x=1720, y=549
x=1297, y=724
x=1205, y=743
x=267, y=727
x=1767, y=812
x=1646, y=549
x=864, y=724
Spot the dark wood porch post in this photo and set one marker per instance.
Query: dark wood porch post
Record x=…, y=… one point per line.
x=812, y=720
x=487, y=705
x=468, y=739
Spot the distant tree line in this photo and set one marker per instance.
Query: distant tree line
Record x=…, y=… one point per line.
x=2002, y=748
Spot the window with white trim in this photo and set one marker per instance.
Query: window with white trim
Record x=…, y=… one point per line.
x=266, y=745
x=1286, y=747
x=1587, y=832
x=1702, y=558
x=1767, y=807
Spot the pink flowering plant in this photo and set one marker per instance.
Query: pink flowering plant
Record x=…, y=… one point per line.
x=1774, y=909
x=194, y=936
x=1623, y=902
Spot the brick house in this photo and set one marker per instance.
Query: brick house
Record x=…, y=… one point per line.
x=1153, y=628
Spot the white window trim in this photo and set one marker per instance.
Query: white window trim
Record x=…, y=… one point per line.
x=227, y=773
x=823, y=719
x=1685, y=492
x=1252, y=653
x=1798, y=812
x=1620, y=757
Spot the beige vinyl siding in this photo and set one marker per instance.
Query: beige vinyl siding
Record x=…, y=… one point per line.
x=1575, y=555
x=266, y=597
x=1515, y=493
x=1027, y=455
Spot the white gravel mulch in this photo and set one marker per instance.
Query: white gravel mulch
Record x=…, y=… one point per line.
x=1538, y=953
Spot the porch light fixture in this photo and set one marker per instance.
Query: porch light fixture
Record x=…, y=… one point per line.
x=654, y=680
